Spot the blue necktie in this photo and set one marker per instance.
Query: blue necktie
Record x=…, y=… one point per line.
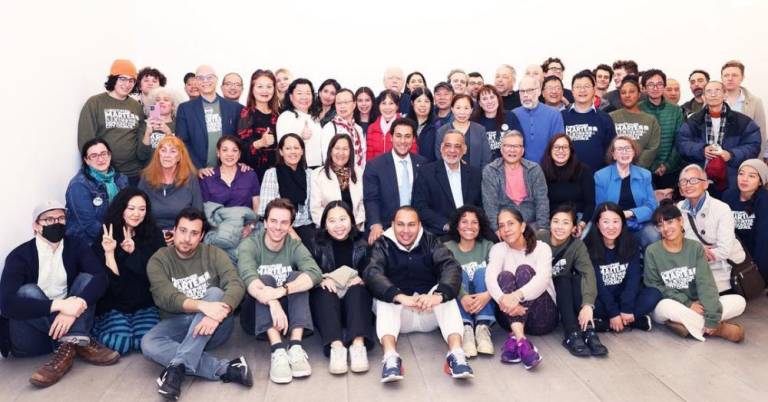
x=405, y=184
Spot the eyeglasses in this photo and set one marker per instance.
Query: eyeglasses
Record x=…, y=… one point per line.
x=529, y=91
x=554, y=69
x=232, y=84
x=580, y=87
x=123, y=79
x=52, y=220
x=100, y=155
x=207, y=77
x=512, y=146
x=654, y=85
x=561, y=148
x=626, y=148
x=691, y=182
x=714, y=92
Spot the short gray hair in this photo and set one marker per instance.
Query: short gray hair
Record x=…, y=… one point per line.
x=696, y=167
x=512, y=133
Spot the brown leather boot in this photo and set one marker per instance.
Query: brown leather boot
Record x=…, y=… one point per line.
x=98, y=354
x=60, y=363
x=730, y=331
x=677, y=328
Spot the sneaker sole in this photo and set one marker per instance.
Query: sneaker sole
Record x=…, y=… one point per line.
x=534, y=364
x=488, y=350
x=301, y=374
x=339, y=371
x=392, y=378
x=359, y=369
x=511, y=361
x=168, y=396
x=278, y=380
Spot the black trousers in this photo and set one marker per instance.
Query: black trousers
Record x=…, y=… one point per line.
x=568, y=288
x=332, y=316
x=307, y=235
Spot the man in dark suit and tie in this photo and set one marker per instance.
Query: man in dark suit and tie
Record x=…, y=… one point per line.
x=200, y=122
x=445, y=185
x=388, y=179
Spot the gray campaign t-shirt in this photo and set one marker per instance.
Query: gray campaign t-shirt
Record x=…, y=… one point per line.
x=212, y=112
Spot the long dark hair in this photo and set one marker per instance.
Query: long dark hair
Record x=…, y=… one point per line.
x=281, y=143
x=479, y=113
x=288, y=105
x=147, y=229
x=572, y=169
x=274, y=103
x=323, y=235
x=328, y=164
x=374, y=113
x=485, y=231
x=528, y=233
x=408, y=78
x=626, y=246
x=416, y=94
x=84, y=154
x=317, y=105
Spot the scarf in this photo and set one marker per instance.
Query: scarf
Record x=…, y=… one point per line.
x=107, y=179
x=356, y=138
x=292, y=184
x=710, y=137
x=342, y=173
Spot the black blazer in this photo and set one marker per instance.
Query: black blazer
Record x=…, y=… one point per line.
x=432, y=195
x=380, y=193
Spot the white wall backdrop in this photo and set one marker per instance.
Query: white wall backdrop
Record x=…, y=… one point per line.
x=56, y=54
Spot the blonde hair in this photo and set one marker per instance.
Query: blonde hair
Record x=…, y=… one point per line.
x=185, y=170
x=163, y=91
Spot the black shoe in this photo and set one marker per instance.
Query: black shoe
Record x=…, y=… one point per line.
x=5, y=337
x=576, y=345
x=239, y=372
x=643, y=323
x=602, y=325
x=593, y=342
x=170, y=381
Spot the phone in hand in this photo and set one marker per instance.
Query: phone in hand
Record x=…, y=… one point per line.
x=154, y=112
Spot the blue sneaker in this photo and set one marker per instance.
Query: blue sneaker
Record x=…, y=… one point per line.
x=457, y=367
x=392, y=370
x=509, y=352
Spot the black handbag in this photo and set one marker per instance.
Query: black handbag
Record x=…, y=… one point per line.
x=746, y=279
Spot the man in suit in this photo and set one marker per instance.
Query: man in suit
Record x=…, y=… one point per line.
x=200, y=122
x=388, y=179
x=445, y=185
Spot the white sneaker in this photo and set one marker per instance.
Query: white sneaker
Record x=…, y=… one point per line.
x=299, y=361
x=483, y=339
x=358, y=358
x=280, y=368
x=338, y=364
x=468, y=342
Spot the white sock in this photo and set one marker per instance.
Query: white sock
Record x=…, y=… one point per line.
x=456, y=352
x=390, y=354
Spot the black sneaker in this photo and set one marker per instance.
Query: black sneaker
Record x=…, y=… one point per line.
x=601, y=325
x=575, y=344
x=238, y=372
x=593, y=342
x=170, y=381
x=643, y=323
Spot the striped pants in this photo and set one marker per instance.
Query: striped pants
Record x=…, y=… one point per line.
x=122, y=332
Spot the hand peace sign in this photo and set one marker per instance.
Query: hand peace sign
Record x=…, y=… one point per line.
x=107, y=241
x=127, y=245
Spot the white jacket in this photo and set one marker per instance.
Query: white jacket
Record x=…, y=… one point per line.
x=325, y=190
x=716, y=226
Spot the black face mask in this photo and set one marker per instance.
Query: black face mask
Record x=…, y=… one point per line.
x=53, y=233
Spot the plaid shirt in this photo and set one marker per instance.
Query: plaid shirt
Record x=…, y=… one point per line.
x=271, y=190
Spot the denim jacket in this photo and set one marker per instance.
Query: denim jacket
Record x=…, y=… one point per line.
x=87, y=203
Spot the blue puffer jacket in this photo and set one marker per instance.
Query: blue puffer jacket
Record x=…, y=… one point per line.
x=87, y=203
x=227, y=226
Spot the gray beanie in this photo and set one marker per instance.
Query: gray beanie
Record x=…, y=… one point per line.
x=760, y=166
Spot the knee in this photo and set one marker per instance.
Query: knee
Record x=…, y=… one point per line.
x=213, y=294
x=31, y=291
x=507, y=281
x=268, y=280
x=147, y=344
x=524, y=274
x=652, y=295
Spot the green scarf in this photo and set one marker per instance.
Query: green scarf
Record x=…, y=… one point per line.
x=107, y=179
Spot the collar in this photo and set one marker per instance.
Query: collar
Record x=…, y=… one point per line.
x=397, y=157
x=449, y=170
x=390, y=234
x=573, y=108
x=216, y=99
x=699, y=205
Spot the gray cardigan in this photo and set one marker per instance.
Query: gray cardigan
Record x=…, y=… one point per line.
x=535, y=206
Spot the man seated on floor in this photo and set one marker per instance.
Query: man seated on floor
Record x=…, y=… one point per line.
x=196, y=288
x=278, y=272
x=48, y=294
x=414, y=280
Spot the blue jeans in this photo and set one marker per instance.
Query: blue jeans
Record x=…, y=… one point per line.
x=476, y=285
x=171, y=342
x=30, y=337
x=647, y=235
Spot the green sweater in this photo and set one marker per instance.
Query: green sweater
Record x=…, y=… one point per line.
x=173, y=279
x=670, y=118
x=255, y=259
x=575, y=258
x=643, y=128
x=472, y=261
x=684, y=277
x=120, y=123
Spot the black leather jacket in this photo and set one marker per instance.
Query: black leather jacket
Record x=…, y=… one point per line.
x=322, y=252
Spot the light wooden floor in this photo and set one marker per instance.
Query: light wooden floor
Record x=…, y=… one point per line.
x=641, y=366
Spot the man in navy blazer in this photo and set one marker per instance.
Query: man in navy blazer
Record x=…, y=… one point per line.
x=48, y=294
x=388, y=179
x=200, y=122
x=447, y=184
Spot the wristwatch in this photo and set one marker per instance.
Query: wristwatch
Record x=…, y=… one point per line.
x=285, y=286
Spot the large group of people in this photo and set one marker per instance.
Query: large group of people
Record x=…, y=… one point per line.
x=359, y=216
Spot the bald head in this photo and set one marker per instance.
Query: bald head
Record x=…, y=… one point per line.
x=206, y=78
x=534, y=71
x=394, y=79
x=205, y=70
